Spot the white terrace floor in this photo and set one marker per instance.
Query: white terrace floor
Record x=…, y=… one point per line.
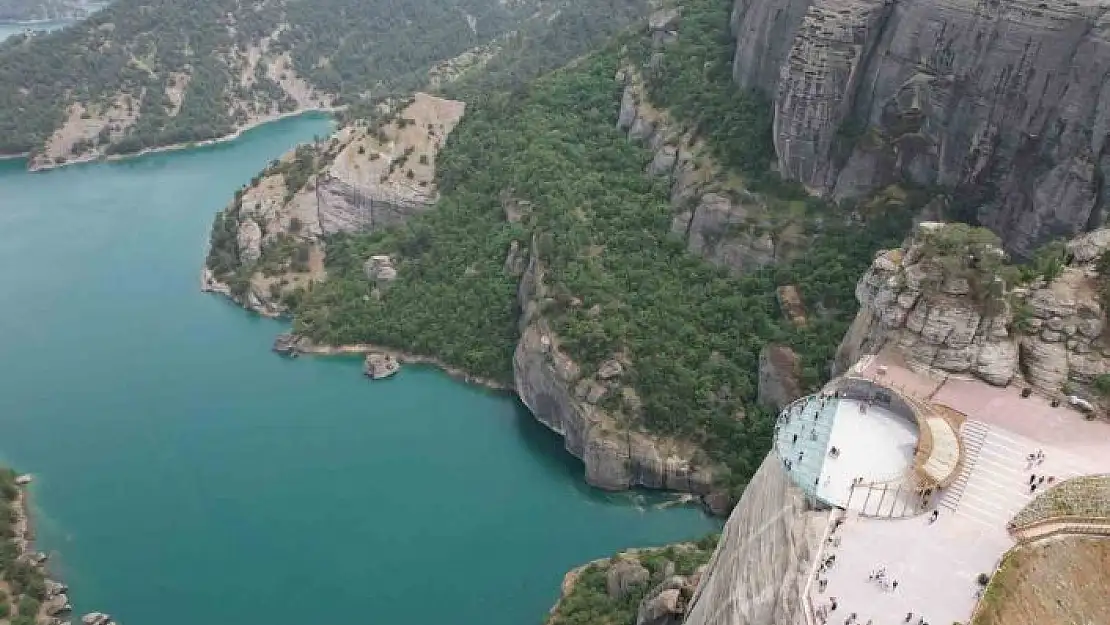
x=936, y=564
x=873, y=444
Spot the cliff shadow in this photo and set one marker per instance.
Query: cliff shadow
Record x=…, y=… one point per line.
x=546, y=448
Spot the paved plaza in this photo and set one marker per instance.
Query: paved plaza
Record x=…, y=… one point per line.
x=936, y=563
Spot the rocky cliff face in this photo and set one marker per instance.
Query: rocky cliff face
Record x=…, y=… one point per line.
x=1049, y=334
x=1007, y=98
x=715, y=215
x=758, y=572
x=572, y=403
x=363, y=178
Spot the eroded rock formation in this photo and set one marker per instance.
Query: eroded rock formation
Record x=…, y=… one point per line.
x=1049, y=334
x=1008, y=99
x=717, y=218
x=363, y=178
x=571, y=402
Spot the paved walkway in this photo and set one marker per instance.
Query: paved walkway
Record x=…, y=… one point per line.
x=998, y=485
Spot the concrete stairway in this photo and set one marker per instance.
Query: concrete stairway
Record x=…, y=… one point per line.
x=972, y=434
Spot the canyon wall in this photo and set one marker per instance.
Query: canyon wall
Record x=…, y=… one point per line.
x=714, y=214
x=573, y=403
x=1006, y=100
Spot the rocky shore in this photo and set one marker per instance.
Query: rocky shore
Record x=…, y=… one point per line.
x=661, y=581
x=290, y=344
x=48, y=597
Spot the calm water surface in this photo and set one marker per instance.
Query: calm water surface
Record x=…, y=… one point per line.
x=7, y=29
x=185, y=475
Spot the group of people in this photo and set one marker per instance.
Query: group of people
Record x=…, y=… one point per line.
x=1035, y=459
x=878, y=576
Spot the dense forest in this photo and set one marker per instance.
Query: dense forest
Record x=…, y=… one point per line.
x=351, y=51
x=621, y=282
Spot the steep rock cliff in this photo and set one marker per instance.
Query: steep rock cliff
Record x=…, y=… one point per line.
x=758, y=572
x=1006, y=99
x=1050, y=334
x=718, y=218
x=572, y=403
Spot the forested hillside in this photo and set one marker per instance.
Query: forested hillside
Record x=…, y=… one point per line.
x=619, y=283
x=145, y=73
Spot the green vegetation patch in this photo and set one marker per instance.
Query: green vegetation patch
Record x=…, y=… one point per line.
x=1085, y=496
x=588, y=602
x=619, y=282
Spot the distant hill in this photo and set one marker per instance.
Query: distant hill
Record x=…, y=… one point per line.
x=147, y=73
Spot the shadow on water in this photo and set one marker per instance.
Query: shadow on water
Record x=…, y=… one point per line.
x=547, y=448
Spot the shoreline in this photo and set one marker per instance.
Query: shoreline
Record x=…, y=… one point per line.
x=238, y=133
x=358, y=349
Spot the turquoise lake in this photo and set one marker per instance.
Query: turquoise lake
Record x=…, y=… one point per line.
x=185, y=475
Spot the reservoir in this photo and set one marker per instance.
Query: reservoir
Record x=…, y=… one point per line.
x=184, y=474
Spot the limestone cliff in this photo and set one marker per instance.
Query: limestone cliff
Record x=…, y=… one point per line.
x=718, y=218
x=758, y=572
x=1006, y=101
x=367, y=176
x=572, y=403
x=1048, y=332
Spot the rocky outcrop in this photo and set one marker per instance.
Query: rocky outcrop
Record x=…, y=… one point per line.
x=758, y=572
x=570, y=402
x=623, y=575
x=379, y=268
x=380, y=365
x=1050, y=334
x=250, y=241
x=97, y=618
x=673, y=573
x=1005, y=98
x=363, y=178
x=779, y=376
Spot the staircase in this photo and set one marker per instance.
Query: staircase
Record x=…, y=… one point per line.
x=972, y=435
